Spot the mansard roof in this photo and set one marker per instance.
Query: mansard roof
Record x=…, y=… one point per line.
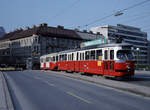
x=42, y=30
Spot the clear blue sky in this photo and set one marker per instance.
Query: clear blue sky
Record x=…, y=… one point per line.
x=72, y=13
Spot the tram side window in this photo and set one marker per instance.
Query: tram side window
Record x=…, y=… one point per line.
x=72, y=56
x=83, y=56
x=87, y=55
x=98, y=54
x=42, y=60
x=106, y=57
x=47, y=59
x=59, y=57
x=80, y=56
x=65, y=57
x=56, y=58
x=69, y=57
x=53, y=58
x=111, y=54
x=92, y=55
x=77, y=56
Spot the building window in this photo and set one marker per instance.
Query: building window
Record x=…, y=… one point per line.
x=131, y=33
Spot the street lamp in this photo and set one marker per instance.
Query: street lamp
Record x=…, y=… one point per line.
x=118, y=13
x=138, y=50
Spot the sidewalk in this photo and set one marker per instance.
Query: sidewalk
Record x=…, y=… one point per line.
x=5, y=99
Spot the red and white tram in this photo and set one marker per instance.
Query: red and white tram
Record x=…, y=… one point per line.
x=114, y=59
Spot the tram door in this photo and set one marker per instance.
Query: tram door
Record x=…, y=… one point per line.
x=47, y=63
x=108, y=62
x=77, y=63
x=106, y=69
x=111, y=53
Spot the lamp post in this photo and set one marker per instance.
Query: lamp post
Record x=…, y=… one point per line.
x=118, y=13
x=138, y=49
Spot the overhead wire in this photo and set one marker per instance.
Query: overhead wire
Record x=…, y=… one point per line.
x=137, y=18
x=146, y=28
x=65, y=10
x=112, y=14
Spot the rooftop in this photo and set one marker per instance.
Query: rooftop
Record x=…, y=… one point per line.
x=42, y=30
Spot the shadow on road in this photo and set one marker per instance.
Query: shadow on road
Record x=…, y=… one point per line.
x=137, y=78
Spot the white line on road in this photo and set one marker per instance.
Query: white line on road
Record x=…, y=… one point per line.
x=50, y=84
x=37, y=77
x=78, y=97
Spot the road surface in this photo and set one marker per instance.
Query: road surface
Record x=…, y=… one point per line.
x=35, y=90
x=140, y=78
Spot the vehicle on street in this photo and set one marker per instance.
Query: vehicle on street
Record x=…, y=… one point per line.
x=113, y=60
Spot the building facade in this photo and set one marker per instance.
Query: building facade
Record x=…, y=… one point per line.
x=132, y=35
x=26, y=46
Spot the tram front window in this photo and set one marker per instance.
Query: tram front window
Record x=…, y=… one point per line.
x=125, y=55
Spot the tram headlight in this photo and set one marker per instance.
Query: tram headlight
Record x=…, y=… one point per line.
x=128, y=68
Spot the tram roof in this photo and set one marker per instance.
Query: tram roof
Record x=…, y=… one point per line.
x=97, y=46
x=92, y=47
x=108, y=45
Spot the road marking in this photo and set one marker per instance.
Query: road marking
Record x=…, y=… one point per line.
x=78, y=97
x=50, y=84
x=37, y=77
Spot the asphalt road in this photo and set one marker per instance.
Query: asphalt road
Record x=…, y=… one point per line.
x=140, y=78
x=33, y=90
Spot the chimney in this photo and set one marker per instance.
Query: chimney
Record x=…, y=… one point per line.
x=27, y=27
x=60, y=27
x=34, y=26
x=45, y=24
x=77, y=30
x=98, y=33
x=91, y=32
x=85, y=31
x=41, y=25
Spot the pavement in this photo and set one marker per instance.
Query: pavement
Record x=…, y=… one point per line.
x=5, y=99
